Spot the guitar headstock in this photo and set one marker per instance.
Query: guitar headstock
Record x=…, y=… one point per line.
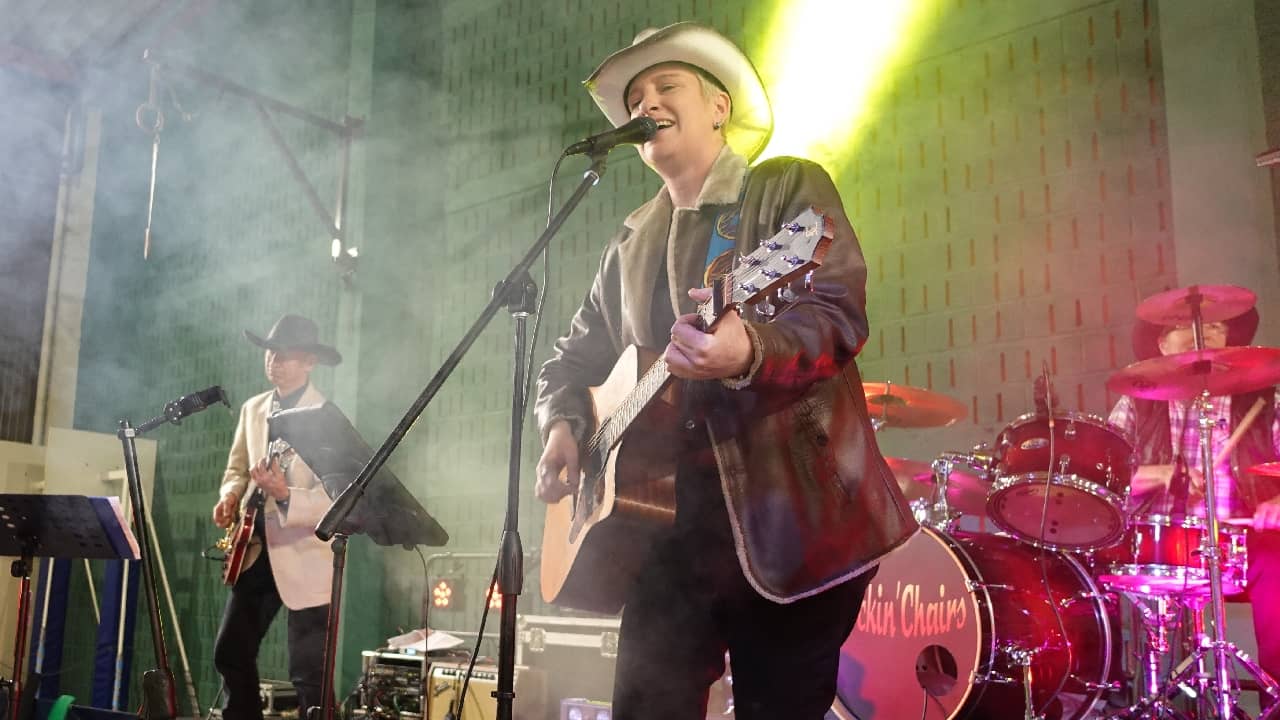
x=793, y=251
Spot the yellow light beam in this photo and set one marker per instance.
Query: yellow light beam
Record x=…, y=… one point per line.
x=825, y=65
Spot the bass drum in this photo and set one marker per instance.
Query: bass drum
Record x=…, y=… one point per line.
x=948, y=621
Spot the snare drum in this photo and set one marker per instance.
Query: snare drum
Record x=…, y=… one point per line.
x=1162, y=555
x=1086, y=481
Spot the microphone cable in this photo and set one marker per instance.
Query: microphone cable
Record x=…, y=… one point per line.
x=1044, y=570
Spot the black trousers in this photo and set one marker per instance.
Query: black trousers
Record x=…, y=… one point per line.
x=691, y=603
x=253, y=604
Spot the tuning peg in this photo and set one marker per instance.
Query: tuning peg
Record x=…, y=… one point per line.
x=808, y=281
x=786, y=294
x=766, y=310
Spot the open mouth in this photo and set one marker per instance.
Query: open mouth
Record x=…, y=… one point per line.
x=664, y=124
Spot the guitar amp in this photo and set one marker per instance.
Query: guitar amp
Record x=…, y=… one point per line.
x=445, y=687
x=391, y=684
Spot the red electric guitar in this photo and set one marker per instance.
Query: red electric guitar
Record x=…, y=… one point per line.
x=595, y=540
x=235, y=544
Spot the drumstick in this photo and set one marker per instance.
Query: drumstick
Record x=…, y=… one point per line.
x=1239, y=431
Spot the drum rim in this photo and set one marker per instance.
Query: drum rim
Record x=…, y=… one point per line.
x=1114, y=501
x=1187, y=522
x=1078, y=415
x=1192, y=583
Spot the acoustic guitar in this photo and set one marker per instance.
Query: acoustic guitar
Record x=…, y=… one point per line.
x=595, y=540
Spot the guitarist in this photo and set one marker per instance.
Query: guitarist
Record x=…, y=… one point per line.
x=784, y=504
x=286, y=564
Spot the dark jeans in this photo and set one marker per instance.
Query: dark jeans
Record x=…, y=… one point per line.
x=252, y=606
x=691, y=603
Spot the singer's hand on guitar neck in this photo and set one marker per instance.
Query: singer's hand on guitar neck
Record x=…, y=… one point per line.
x=558, y=463
x=694, y=354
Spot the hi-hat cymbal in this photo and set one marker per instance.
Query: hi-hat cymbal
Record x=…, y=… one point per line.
x=1176, y=307
x=1269, y=469
x=1221, y=371
x=910, y=407
x=966, y=493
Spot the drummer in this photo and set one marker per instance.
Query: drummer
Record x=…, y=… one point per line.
x=1163, y=431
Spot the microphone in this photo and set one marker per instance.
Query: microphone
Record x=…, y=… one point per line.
x=638, y=130
x=191, y=404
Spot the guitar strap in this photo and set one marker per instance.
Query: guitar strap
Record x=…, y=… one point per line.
x=721, y=256
x=724, y=234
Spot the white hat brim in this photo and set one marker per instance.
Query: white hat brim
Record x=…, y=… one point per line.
x=751, y=123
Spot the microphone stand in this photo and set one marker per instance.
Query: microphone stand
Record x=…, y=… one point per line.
x=160, y=701
x=512, y=293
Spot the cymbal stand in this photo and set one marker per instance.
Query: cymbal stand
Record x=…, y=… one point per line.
x=1222, y=689
x=939, y=515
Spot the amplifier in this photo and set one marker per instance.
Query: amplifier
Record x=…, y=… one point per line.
x=391, y=683
x=445, y=686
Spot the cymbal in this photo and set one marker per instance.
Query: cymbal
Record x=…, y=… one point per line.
x=966, y=493
x=1269, y=469
x=910, y=407
x=1217, y=302
x=1221, y=371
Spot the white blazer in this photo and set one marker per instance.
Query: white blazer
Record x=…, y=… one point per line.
x=301, y=564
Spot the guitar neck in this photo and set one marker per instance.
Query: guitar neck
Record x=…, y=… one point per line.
x=647, y=388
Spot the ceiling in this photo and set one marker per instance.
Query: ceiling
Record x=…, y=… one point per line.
x=60, y=40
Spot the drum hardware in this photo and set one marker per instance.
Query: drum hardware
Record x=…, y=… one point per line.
x=1197, y=375
x=1022, y=658
x=938, y=493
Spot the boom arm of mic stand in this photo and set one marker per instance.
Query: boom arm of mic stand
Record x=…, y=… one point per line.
x=341, y=507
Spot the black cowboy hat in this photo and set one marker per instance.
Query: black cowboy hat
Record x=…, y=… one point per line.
x=294, y=332
x=1146, y=336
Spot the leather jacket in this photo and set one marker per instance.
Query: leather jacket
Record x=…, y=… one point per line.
x=811, y=501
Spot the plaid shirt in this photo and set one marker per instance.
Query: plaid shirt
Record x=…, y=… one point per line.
x=1183, y=423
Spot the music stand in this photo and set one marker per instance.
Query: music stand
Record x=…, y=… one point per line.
x=55, y=526
x=389, y=514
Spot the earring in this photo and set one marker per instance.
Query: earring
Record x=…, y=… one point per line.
x=717, y=124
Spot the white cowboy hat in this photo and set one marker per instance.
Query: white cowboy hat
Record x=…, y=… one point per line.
x=751, y=121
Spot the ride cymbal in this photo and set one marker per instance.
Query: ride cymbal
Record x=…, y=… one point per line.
x=1181, y=376
x=904, y=406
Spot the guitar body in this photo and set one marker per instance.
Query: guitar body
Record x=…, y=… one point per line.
x=590, y=555
x=595, y=541
x=238, y=538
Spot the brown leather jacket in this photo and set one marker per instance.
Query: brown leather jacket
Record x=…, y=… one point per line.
x=811, y=501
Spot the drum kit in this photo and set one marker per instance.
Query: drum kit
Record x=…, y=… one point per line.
x=1023, y=621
